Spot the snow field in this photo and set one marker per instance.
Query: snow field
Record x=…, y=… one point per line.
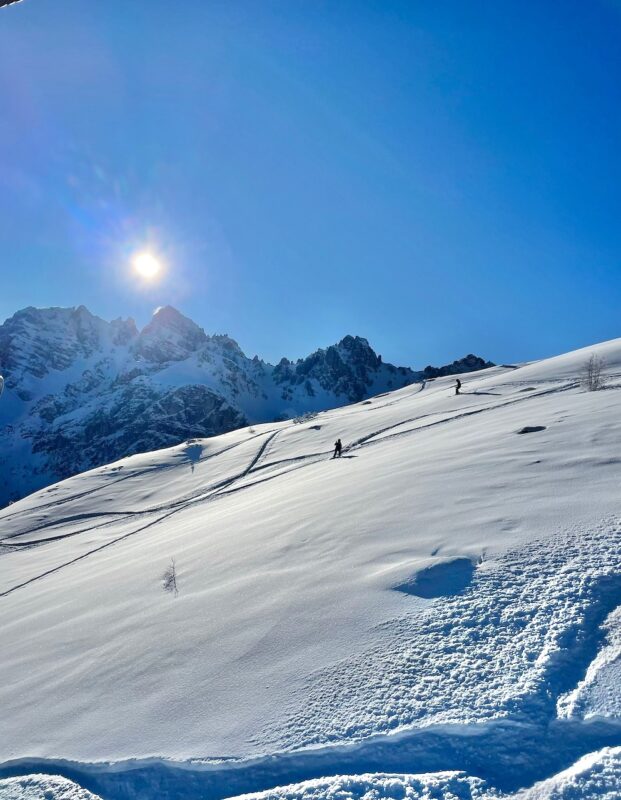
x=443, y=597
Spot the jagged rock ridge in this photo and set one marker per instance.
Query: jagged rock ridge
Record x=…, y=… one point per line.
x=81, y=392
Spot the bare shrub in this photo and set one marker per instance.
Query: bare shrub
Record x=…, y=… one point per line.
x=169, y=578
x=592, y=378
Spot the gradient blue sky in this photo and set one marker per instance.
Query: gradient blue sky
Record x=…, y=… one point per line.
x=440, y=177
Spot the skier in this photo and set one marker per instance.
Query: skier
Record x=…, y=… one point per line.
x=457, y=386
x=338, y=448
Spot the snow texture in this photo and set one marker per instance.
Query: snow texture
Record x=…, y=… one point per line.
x=444, y=597
x=440, y=786
x=596, y=775
x=42, y=787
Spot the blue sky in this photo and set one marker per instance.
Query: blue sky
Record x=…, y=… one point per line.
x=440, y=177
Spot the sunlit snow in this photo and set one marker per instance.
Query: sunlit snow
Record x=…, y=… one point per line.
x=438, y=607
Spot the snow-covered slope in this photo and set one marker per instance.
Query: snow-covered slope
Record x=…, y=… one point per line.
x=442, y=598
x=82, y=392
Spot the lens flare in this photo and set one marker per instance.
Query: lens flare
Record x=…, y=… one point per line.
x=147, y=265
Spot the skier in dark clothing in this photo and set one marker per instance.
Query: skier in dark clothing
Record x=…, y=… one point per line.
x=338, y=448
x=457, y=386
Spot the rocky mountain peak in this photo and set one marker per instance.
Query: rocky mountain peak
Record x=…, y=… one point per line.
x=357, y=351
x=36, y=340
x=169, y=336
x=228, y=346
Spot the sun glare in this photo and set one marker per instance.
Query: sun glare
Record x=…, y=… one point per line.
x=147, y=265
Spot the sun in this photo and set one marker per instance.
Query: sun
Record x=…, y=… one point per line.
x=147, y=265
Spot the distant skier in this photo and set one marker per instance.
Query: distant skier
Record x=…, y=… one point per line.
x=338, y=448
x=457, y=386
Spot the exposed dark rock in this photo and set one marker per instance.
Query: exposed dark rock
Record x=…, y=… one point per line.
x=532, y=429
x=469, y=363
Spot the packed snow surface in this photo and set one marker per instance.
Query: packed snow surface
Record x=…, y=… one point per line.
x=443, y=597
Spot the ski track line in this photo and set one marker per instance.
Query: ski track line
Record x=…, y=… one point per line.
x=136, y=474
x=172, y=510
x=223, y=488
x=85, y=555
x=204, y=494
x=64, y=521
x=367, y=441
x=364, y=440
x=9, y=543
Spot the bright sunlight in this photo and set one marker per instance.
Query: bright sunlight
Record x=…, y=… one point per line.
x=147, y=265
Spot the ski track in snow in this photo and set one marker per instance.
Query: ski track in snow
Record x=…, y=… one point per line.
x=224, y=487
x=173, y=509
x=220, y=487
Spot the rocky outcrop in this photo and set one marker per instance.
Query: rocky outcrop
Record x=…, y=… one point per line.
x=469, y=363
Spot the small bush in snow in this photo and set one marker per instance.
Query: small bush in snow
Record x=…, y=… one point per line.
x=592, y=378
x=169, y=578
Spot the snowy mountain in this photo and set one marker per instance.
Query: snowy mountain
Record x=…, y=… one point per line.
x=436, y=614
x=82, y=392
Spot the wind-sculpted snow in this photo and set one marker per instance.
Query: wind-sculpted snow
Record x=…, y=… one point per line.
x=43, y=787
x=597, y=696
x=503, y=649
x=596, y=776
x=439, y=786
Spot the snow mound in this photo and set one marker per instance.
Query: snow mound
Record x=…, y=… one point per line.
x=43, y=787
x=596, y=776
x=439, y=786
x=506, y=647
x=597, y=696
